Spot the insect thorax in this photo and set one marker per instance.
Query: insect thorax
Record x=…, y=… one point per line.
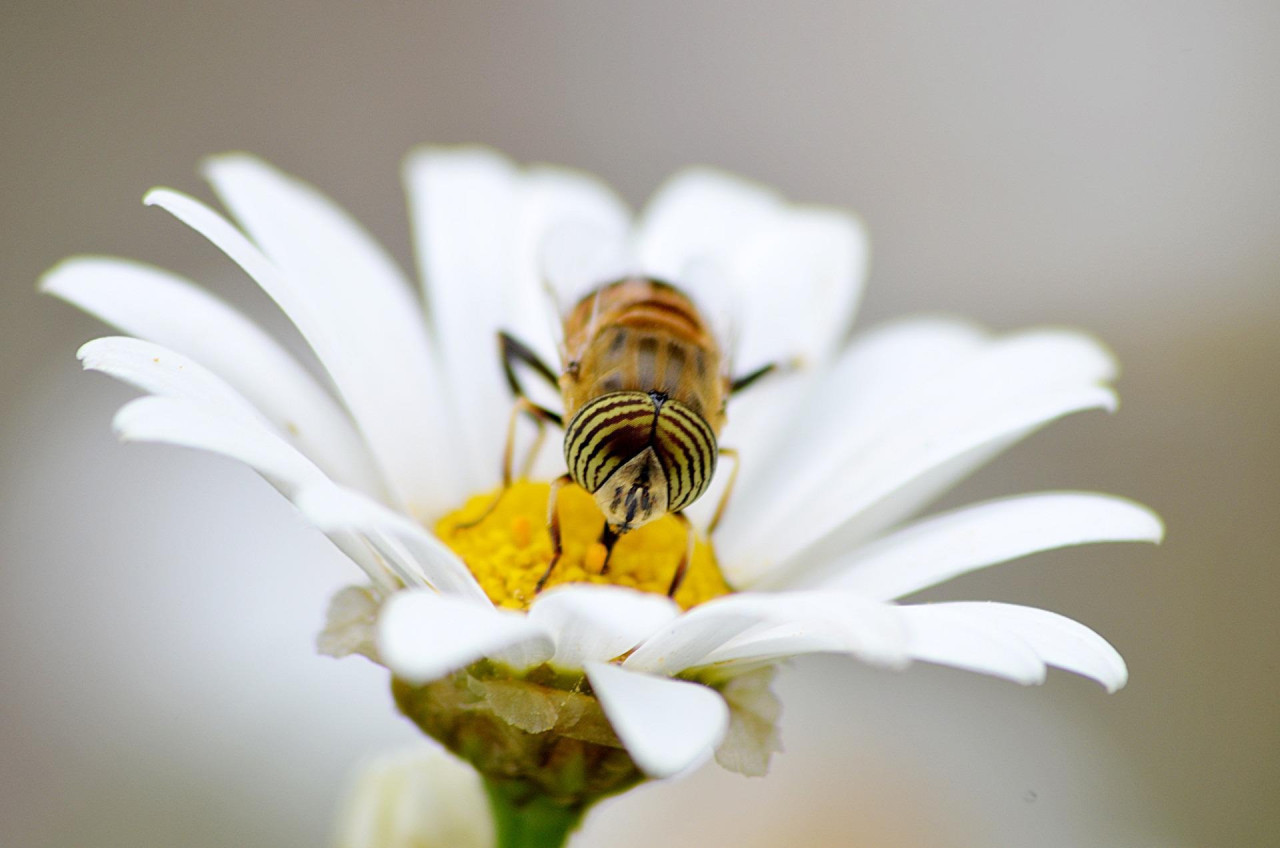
x=641, y=454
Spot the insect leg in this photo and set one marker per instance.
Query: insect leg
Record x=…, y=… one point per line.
x=685, y=558
x=553, y=524
x=750, y=378
x=608, y=538
x=513, y=351
x=540, y=418
x=731, y=453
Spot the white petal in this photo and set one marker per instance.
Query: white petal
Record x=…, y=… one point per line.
x=951, y=637
x=423, y=636
x=876, y=372
x=936, y=549
x=183, y=422
x=196, y=409
x=701, y=213
x=821, y=621
x=551, y=199
x=358, y=313
x=831, y=533
x=464, y=203
x=796, y=272
x=939, y=633
x=1060, y=641
x=691, y=637
x=599, y=622
x=1007, y=389
x=417, y=556
x=422, y=797
x=159, y=371
x=667, y=726
x=805, y=276
x=170, y=311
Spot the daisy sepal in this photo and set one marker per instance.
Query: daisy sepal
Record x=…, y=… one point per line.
x=668, y=726
x=599, y=623
x=939, y=548
x=168, y=310
x=423, y=636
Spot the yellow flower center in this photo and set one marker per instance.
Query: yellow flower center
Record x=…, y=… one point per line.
x=509, y=551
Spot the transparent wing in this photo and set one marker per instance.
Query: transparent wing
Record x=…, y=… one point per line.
x=578, y=257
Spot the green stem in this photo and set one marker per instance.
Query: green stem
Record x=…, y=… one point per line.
x=524, y=819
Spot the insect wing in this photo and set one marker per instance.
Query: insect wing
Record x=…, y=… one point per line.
x=577, y=257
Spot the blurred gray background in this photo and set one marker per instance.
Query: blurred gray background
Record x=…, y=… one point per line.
x=1107, y=165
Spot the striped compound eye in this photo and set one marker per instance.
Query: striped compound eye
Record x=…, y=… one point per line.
x=641, y=454
x=686, y=447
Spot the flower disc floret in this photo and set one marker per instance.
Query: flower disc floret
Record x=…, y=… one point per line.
x=510, y=549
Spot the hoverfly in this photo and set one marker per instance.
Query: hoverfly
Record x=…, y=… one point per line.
x=644, y=385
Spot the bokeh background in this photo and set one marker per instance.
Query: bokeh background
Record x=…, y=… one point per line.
x=1107, y=165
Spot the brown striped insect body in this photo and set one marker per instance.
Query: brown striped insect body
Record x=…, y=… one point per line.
x=644, y=384
x=644, y=395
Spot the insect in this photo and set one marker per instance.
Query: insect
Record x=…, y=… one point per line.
x=644, y=383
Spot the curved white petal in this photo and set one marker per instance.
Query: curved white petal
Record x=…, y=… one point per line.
x=1059, y=641
x=417, y=557
x=686, y=641
x=873, y=374
x=1011, y=641
x=972, y=643
x=159, y=371
x=599, y=622
x=823, y=621
x=805, y=276
x=552, y=199
x=423, y=636
x=793, y=274
x=832, y=532
x=481, y=225
x=941, y=547
x=355, y=308
x=463, y=204
x=701, y=213
x=1010, y=385
x=166, y=309
x=840, y=493
x=179, y=421
x=667, y=726
x=422, y=797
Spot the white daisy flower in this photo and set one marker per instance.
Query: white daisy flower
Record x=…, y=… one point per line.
x=400, y=444
x=419, y=797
